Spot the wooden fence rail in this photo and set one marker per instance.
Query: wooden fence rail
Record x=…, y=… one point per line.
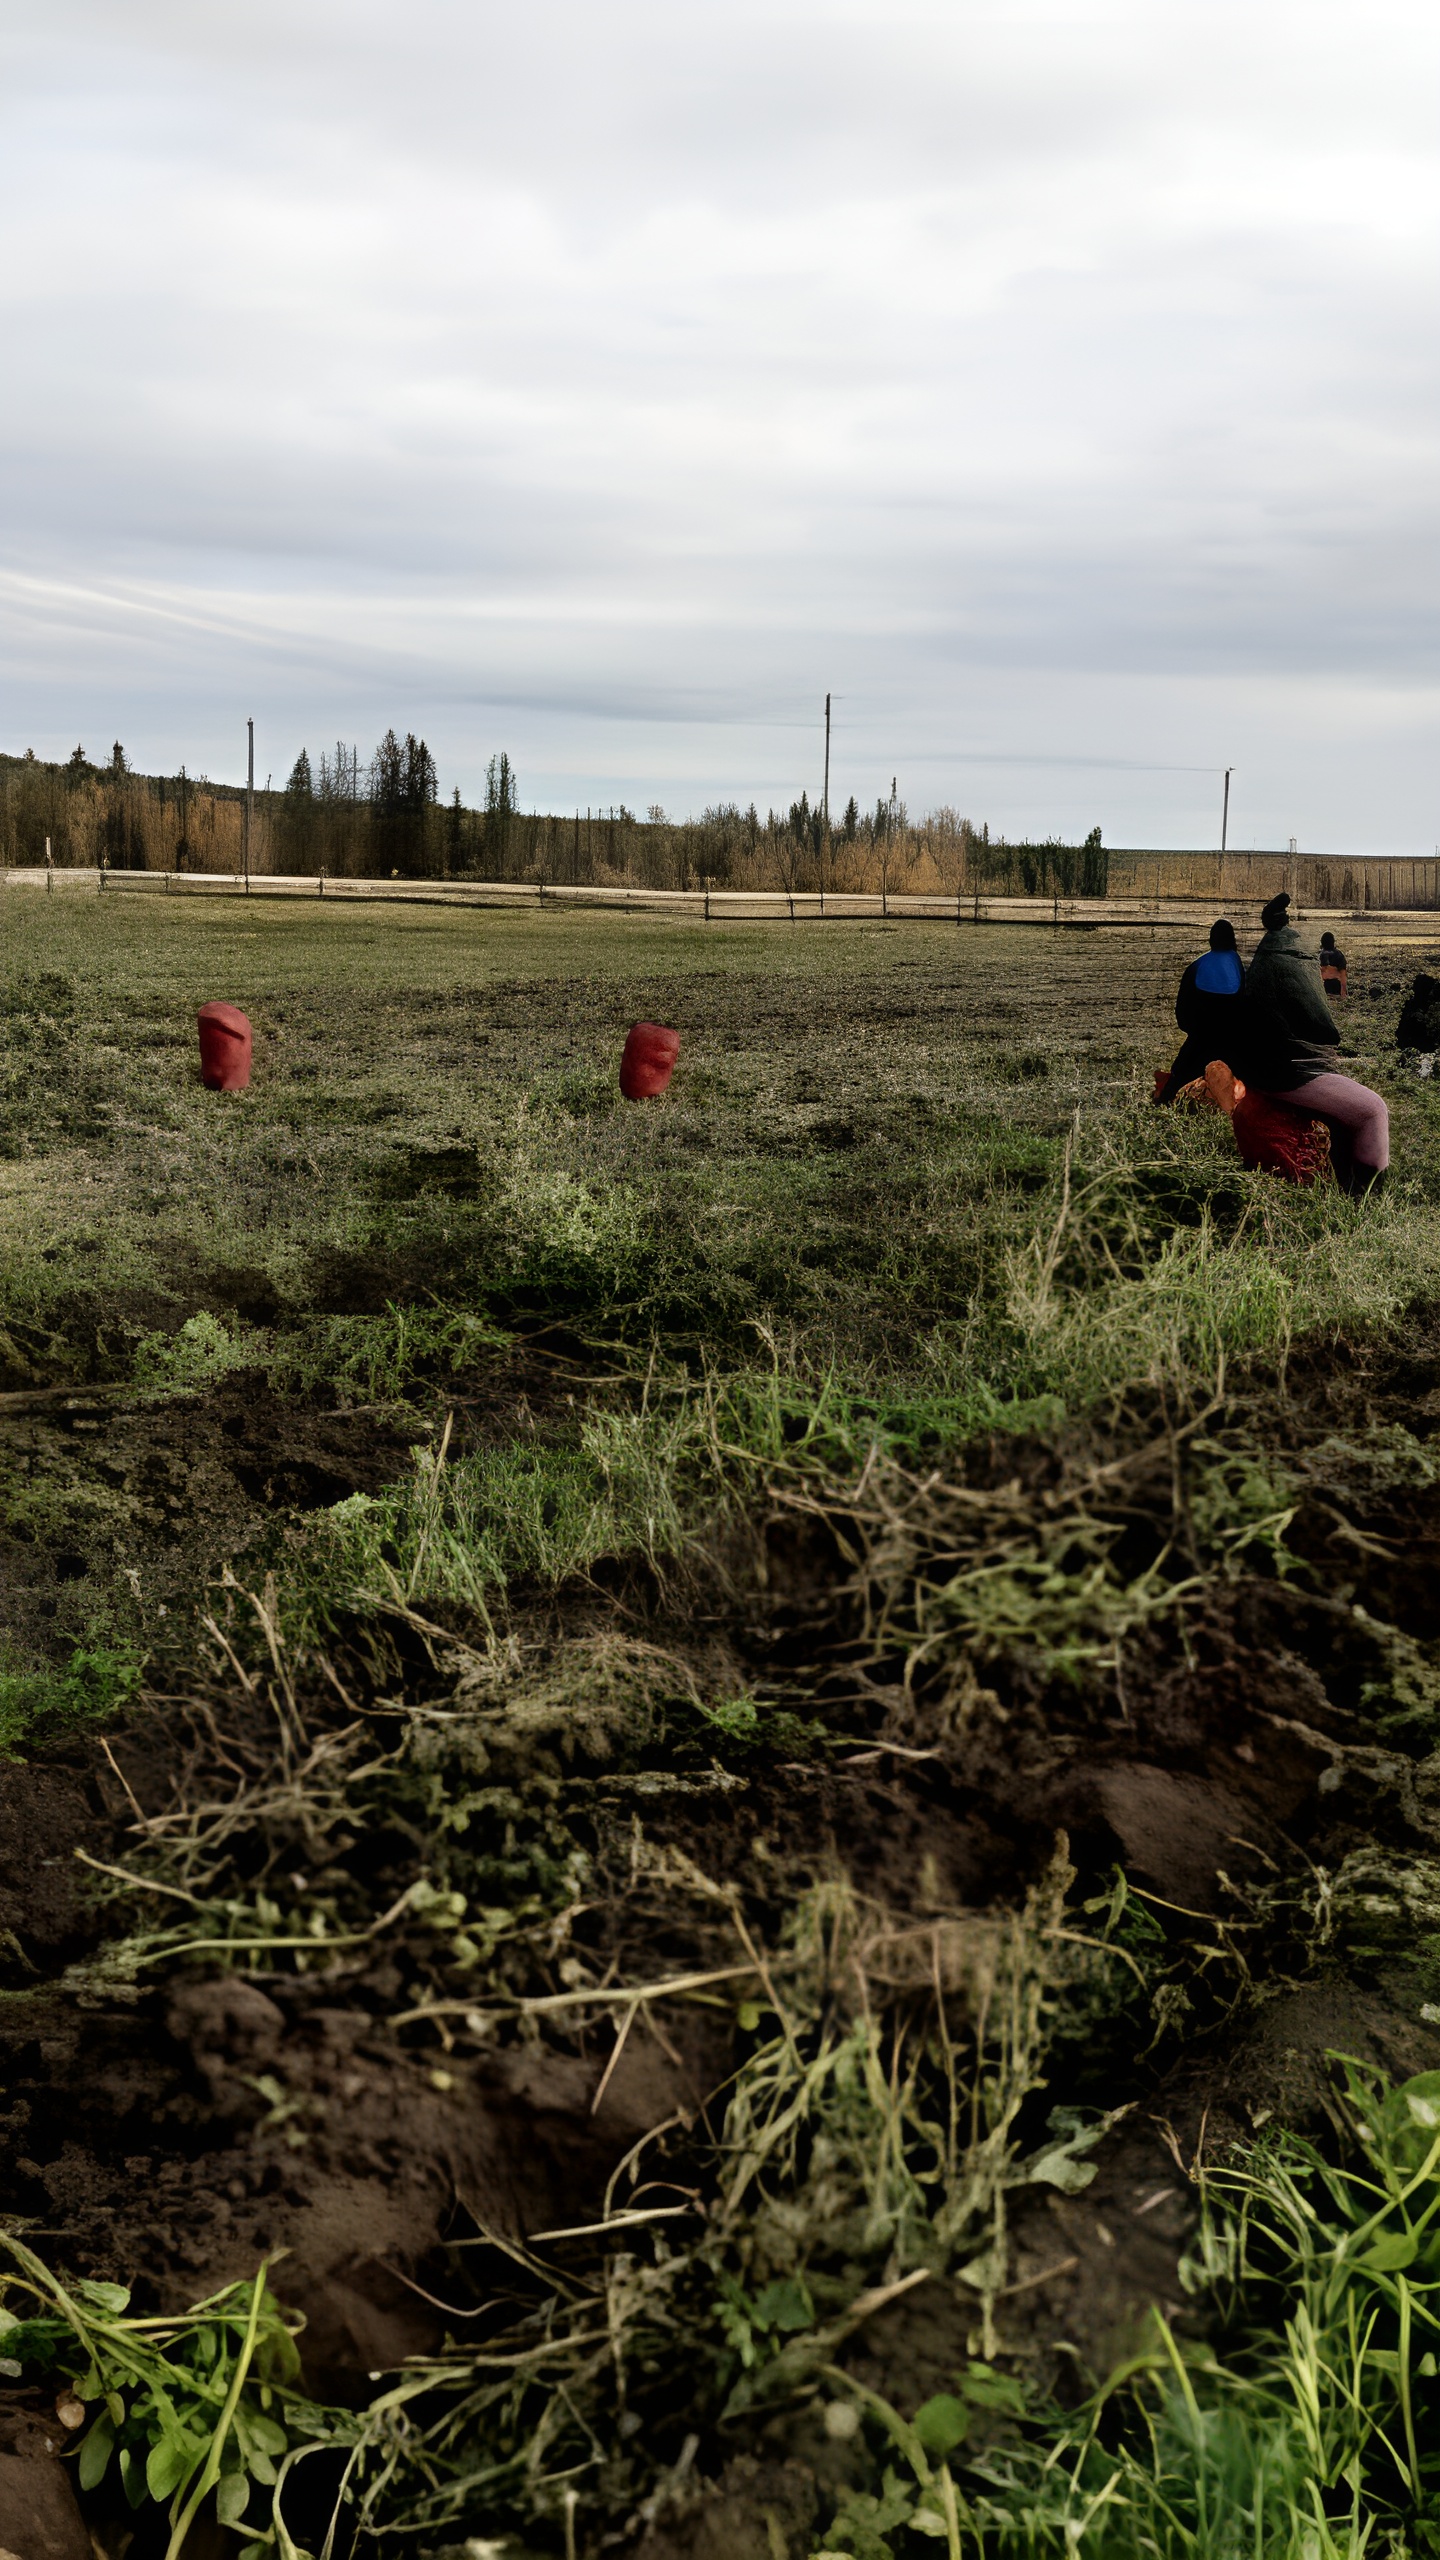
x=1141, y=903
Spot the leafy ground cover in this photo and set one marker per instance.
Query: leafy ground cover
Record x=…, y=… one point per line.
x=720, y=1775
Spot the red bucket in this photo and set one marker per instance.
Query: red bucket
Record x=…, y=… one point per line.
x=649, y=1060
x=224, y=1047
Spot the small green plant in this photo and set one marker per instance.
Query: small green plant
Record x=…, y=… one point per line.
x=175, y=2409
x=96, y=1683
x=925, y=2504
x=379, y=1359
x=203, y=1351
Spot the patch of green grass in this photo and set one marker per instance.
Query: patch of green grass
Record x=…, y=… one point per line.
x=455, y=1535
x=883, y=1218
x=202, y=1351
x=378, y=1359
x=842, y=1209
x=97, y=1681
x=1307, y=2428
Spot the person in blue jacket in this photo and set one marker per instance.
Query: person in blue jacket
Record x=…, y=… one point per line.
x=1207, y=1011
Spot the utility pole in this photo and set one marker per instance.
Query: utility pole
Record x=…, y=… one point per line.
x=249, y=798
x=1225, y=811
x=825, y=811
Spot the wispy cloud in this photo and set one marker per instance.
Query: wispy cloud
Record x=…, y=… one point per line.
x=1057, y=384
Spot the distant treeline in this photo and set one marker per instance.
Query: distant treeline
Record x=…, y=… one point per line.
x=383, y=815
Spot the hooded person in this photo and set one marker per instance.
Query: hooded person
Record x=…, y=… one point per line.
x=1207, y=1011
x=1287, y=1050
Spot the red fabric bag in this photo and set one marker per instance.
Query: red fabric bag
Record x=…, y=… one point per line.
x=648, y=1061
x=1274, y=1137
x=224, y=1047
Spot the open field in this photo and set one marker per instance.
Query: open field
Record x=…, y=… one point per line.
x=733, y=1764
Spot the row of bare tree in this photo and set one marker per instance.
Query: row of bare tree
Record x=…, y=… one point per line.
x=384, y=817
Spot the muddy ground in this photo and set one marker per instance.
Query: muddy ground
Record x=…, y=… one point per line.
x=169, y=2123
x=644, y=1772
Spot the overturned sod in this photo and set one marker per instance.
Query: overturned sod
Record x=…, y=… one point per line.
x=734, y=1768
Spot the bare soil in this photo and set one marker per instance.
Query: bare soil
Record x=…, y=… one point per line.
x=177, y=2131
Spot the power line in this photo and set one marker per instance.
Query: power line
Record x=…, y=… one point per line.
x=1098, y=764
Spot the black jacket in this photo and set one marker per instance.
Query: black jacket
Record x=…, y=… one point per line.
x=1211, y=1023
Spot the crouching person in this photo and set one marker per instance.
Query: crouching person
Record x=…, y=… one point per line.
x=1207, y=1010
x=1288, y=1053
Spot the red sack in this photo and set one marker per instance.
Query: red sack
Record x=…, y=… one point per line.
x=648, y=1061
x=224, y=1047
x=1274, y=1137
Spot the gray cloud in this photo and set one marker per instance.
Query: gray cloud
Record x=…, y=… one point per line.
x=1051, y=383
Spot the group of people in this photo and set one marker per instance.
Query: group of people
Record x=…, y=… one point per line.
x=1268, y=1031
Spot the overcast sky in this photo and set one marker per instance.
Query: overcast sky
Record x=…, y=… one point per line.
x=1057, y=385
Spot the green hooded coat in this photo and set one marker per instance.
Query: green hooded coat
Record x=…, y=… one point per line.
x=1289, y=1033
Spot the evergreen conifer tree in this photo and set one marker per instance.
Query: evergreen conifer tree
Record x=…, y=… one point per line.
x=501, y=804
x=295, y=819
x=501, y=799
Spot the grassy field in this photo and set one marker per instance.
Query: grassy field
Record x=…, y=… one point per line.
x=898, y=1540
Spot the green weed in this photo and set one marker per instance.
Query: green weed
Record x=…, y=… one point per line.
x=458, y=1533
x=97, y=1682
x=179, y=2411
x=378, y=1359
x=1308, y=2430
x=202, y=1351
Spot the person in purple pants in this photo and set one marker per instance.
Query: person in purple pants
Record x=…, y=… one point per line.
x=1287, y=1051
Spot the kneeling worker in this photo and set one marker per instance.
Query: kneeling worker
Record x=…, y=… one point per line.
x=1206, y=1010
x=1288, y=1052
